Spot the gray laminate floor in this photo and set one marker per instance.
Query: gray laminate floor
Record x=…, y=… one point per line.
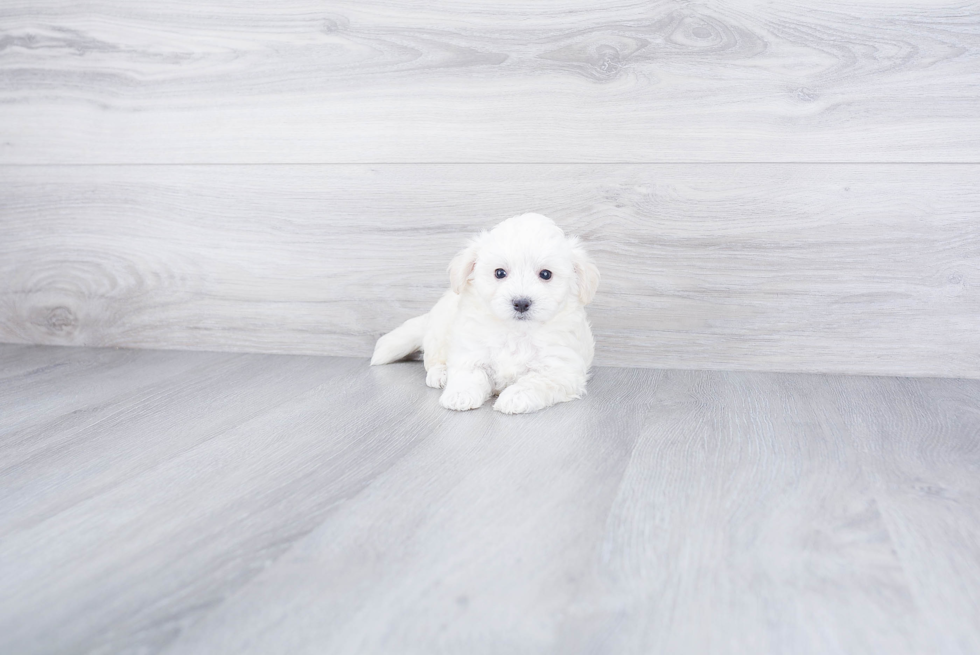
x=220, y=503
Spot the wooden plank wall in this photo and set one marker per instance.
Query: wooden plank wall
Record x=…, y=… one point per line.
x=772, y=186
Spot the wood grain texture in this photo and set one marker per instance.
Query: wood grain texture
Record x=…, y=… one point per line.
x=354, y=81
x=397, y=555
x=923, y=456
x=869, y=269
x=270, y=465
x=273, y=504
x=215, y=394
x=755, y=482
x=64, y=381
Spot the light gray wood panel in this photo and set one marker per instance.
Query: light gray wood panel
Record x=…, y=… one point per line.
x=473, y=543
x=366, y=81
x=668, y=510
x=745, y=524
x=97, y=445
x=924, y=458
x=853, y=268
x=139, y=548
x=65, y=381
x=17, y=361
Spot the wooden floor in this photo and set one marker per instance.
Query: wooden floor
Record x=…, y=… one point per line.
x=155, y=501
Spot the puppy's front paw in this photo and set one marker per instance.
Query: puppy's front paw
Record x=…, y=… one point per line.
x=515, y=400
x=461, y=399
x=435, y=377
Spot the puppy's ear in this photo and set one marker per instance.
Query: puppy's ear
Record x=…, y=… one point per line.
x=461, y=267
x=586, y=272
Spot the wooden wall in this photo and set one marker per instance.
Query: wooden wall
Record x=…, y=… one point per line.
x=772, y=186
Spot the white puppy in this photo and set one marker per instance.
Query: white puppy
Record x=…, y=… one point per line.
x=513, y=322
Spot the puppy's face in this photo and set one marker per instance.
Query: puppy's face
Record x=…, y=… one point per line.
x=526, y=270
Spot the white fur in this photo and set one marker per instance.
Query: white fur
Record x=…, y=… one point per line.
x=476, y=344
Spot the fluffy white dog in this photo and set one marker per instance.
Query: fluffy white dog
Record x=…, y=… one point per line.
x=513, y=322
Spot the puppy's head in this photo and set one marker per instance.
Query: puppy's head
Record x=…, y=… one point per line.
x=525, y=269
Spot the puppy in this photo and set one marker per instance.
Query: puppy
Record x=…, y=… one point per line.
x=513, y=322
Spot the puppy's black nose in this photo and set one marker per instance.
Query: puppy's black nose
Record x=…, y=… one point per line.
x=522, y=304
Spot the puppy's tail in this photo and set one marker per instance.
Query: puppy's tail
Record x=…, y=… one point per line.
x=400, y=342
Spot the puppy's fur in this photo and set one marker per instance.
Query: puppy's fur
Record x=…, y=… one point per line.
x=522, y=336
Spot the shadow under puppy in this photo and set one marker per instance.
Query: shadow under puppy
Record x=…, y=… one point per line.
x=513, y=323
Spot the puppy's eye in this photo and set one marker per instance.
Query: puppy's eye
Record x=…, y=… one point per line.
x=545, y=274
x=500, y=273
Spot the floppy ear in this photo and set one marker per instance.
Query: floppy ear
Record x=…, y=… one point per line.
x=586, y=273
x=461, y=267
